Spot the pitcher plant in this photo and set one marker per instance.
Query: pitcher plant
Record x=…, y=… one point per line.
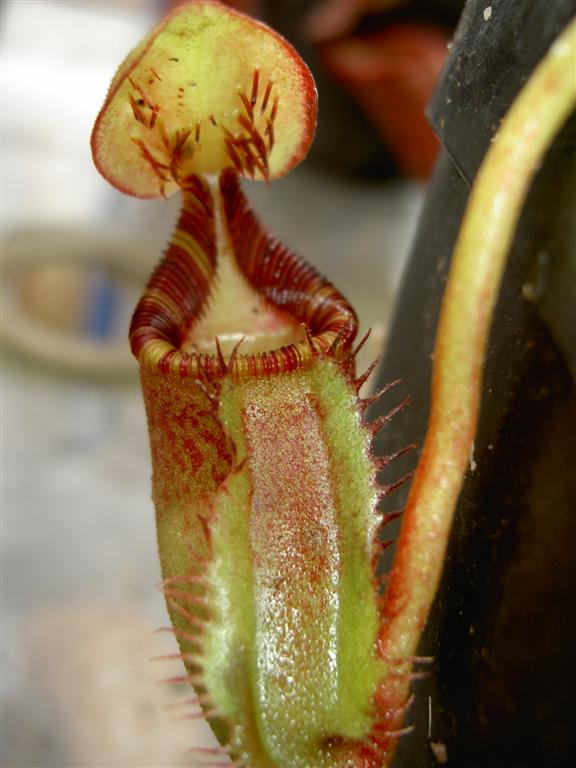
x=264, y=481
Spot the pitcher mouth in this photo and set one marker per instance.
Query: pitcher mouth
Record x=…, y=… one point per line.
x=178, y=295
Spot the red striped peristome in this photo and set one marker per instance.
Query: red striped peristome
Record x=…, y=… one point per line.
x=287, y=281
x=179, y=288
x=180, y=284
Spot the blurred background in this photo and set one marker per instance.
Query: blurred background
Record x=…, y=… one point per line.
x=79, y=563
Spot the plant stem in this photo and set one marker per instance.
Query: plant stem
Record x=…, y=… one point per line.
x=478, y=263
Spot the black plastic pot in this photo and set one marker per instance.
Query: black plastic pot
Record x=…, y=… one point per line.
x=503, y=626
